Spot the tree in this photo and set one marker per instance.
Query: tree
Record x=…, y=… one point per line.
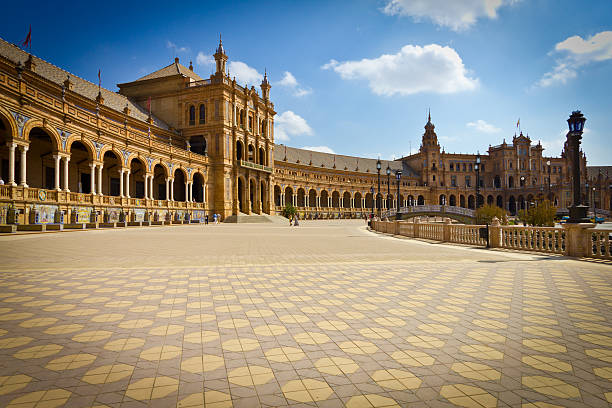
x=289, y=211
x=486, y=213
x=541, y=215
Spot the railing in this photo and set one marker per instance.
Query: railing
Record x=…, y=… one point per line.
x=431, y=208
x=467, y=234
x=256, y=166
x=432, y=231
x=539, y=239
x=600, y=243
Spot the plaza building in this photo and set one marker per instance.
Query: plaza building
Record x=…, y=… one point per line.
x=172, y=145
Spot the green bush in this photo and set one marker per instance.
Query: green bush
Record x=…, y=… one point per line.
x=289, y=211
x=541, y=215
x=486, y=213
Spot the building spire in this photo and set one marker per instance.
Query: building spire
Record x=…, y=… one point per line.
x=220, y=58
x=429, y=116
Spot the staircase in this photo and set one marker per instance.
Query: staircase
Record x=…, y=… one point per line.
x=242, y=218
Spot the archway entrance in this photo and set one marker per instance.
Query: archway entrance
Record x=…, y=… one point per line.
x=79, y=178
x=111, y=173
x=179, y=185
x=252, y=194
x=159, y=182
x=198, y=188
x=240, y=195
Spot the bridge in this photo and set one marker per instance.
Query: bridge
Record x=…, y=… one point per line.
x=464, y=215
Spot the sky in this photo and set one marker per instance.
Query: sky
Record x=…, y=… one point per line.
x=358, y=77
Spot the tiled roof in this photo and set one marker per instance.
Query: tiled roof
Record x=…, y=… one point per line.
x=173, y=69
x=348, y=163
x=82, y=87
x=593, y=171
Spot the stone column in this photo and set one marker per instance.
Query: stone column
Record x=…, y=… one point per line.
x=127, y=183
x=146, y=187
x=121, y=193
x=92, y=178
x=151, y=187
x=167, y=188
x=11, y=180
x=577, y=240
x=446, y=230
x=24, y=150
x=191, y=191
x=187, y=191
x=495, y=233
x=172, y=189
x=57, y=159
x=100, y=166
x=66, y=169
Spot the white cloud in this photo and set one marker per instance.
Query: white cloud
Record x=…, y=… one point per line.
x=289, y=81
x=578, y=52
x=204, y=59
x=290, y=124
x=413, y=69
x=484, y=127
x=244, y=74
x=456, y=14
x=177, y=49
x=322, y=149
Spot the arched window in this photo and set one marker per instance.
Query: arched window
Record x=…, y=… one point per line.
x=202, y=114
x=191, y=115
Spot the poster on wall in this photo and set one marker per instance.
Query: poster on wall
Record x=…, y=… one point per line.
x=162, y=214
x=46, y=213
x=83, y=212
x=113, y=214
x=198, y=215
x=179, y=215
x=139, y=214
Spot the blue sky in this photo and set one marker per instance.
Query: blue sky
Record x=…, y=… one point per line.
x=362, y=74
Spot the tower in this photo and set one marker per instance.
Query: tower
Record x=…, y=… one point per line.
x=220, y=58
x=265, y=87
x=430, y=139
x=430, y=152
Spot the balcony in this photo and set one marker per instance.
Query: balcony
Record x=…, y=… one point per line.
x=255, y=166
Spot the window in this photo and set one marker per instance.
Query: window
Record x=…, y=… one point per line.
x=453, y=181
x=191, y=115
x=202, y=114
x=451, y=167
x=468, y=181
x=470, y=166
x=463, y=166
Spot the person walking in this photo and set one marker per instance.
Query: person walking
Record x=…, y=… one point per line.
x=206, y=219
x=214, y=218
x=296, y=222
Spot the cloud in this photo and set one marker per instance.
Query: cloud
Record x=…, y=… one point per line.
x=456, y=14
x=577, y=52
x=289, y=81
x=176, y=48
x=484, y=127
x=204, y=59
x=322, y=149
x=244, y=74
x=413, y=69
x=290, y=124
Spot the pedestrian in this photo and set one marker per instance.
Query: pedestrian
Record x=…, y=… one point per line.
x=214, y=218
x=206, y=219
x=290, y=220
x=296, y=221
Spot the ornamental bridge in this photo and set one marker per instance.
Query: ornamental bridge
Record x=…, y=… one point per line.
x=463, y=215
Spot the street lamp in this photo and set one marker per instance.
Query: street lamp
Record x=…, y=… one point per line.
x=593, y=201
x=372, y=192
x=477, y=168
x=388, y=187
x=398, y=176
x=578, y=211
x=548, y=164
x=378, y=166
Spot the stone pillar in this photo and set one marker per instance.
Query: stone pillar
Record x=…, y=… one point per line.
x=191, y=191
x=127, y=183
x=121, y=192
x=57, y=159
x=352, y=202
x=146, y=187
x=577, y=240
x=24, y=150
x=495, y=233
x=167, y=188
x=204, y=193
x=187, y=191
x=11, y=177
x=66, y=169
x=416, y=229
x=446, y=230
x=92, y=178
x=151, y=187
x=172, y=189
x=100, y=166
x=329, y=202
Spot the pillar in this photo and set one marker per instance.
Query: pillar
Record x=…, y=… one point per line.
x=191, y=191
x=167, y=188
x=66, y=167
x=11, y=180
x=57, y=159
x=100, y=166
x=24, y=150
x=146, y=187
x=121, y=183
x=151, y=187
x=172, y=189
x=187, y=191
x=127, y=183
x=92, y=178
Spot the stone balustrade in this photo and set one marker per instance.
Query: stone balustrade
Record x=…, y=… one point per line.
x=578, y=240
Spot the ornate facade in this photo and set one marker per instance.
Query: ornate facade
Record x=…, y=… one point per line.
x=172, y=145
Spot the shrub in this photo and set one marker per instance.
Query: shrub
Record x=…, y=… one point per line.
x=486, y=213
x=289, y=211
x=541, y=215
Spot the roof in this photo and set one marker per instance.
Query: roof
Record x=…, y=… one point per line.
x=171, y=70
x=594, y=171
x=82, y=87
x=347, y=163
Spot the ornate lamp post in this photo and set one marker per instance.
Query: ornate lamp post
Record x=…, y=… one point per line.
x=378, y=167
x=578, y=211
x=477, y=168
x=398, y=176
x=388, y=187
x=548, y=164
x=593, y=201
x=372, y=192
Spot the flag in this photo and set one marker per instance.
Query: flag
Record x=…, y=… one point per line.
x=518, y=123
x=28, y=40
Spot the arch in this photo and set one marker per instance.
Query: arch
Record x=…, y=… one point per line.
x=197, y=144
x=198, y=187
x=86, y=143
x=512, y=205
x=262, y=156
x=277, y=195
x=401, y=198
x=452, y=200
x=411, y=201
x=9, y=123
x=202, y=114
x=40, y=165
x=160, y=174
x=111, y=172
x=479, y=200
x=442, y=199
x=301, y=197
x=421, y=200
x=252, y=194
x=324, y=201
x=335, y=199
x=357, y=200
x=346, y=200
x=462, y=201
x=191, y=115
x=369, y=201
x=288, y=195
x=500, y=201
x=180, y=177
x=312, y=198
x=52, y=133
x=510, y=182
x=239, y=150
x=138, y=170
x=490, y=199
x=497, y=182
x=521, y=202
x=471, y=202
x=79, y=172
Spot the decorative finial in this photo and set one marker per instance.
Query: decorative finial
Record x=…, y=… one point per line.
x=429, y=115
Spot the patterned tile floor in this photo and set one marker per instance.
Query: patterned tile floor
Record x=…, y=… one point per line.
x=324, y=315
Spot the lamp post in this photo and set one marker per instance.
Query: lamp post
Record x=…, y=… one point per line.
x=398, y=176
x=578, y=211
x=477, y=168
x=388, y=187
x=372, y=192
x=548, y=164
x=378, y=166
x=593, y=201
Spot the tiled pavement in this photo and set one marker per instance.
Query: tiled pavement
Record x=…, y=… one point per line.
x=324, y=315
